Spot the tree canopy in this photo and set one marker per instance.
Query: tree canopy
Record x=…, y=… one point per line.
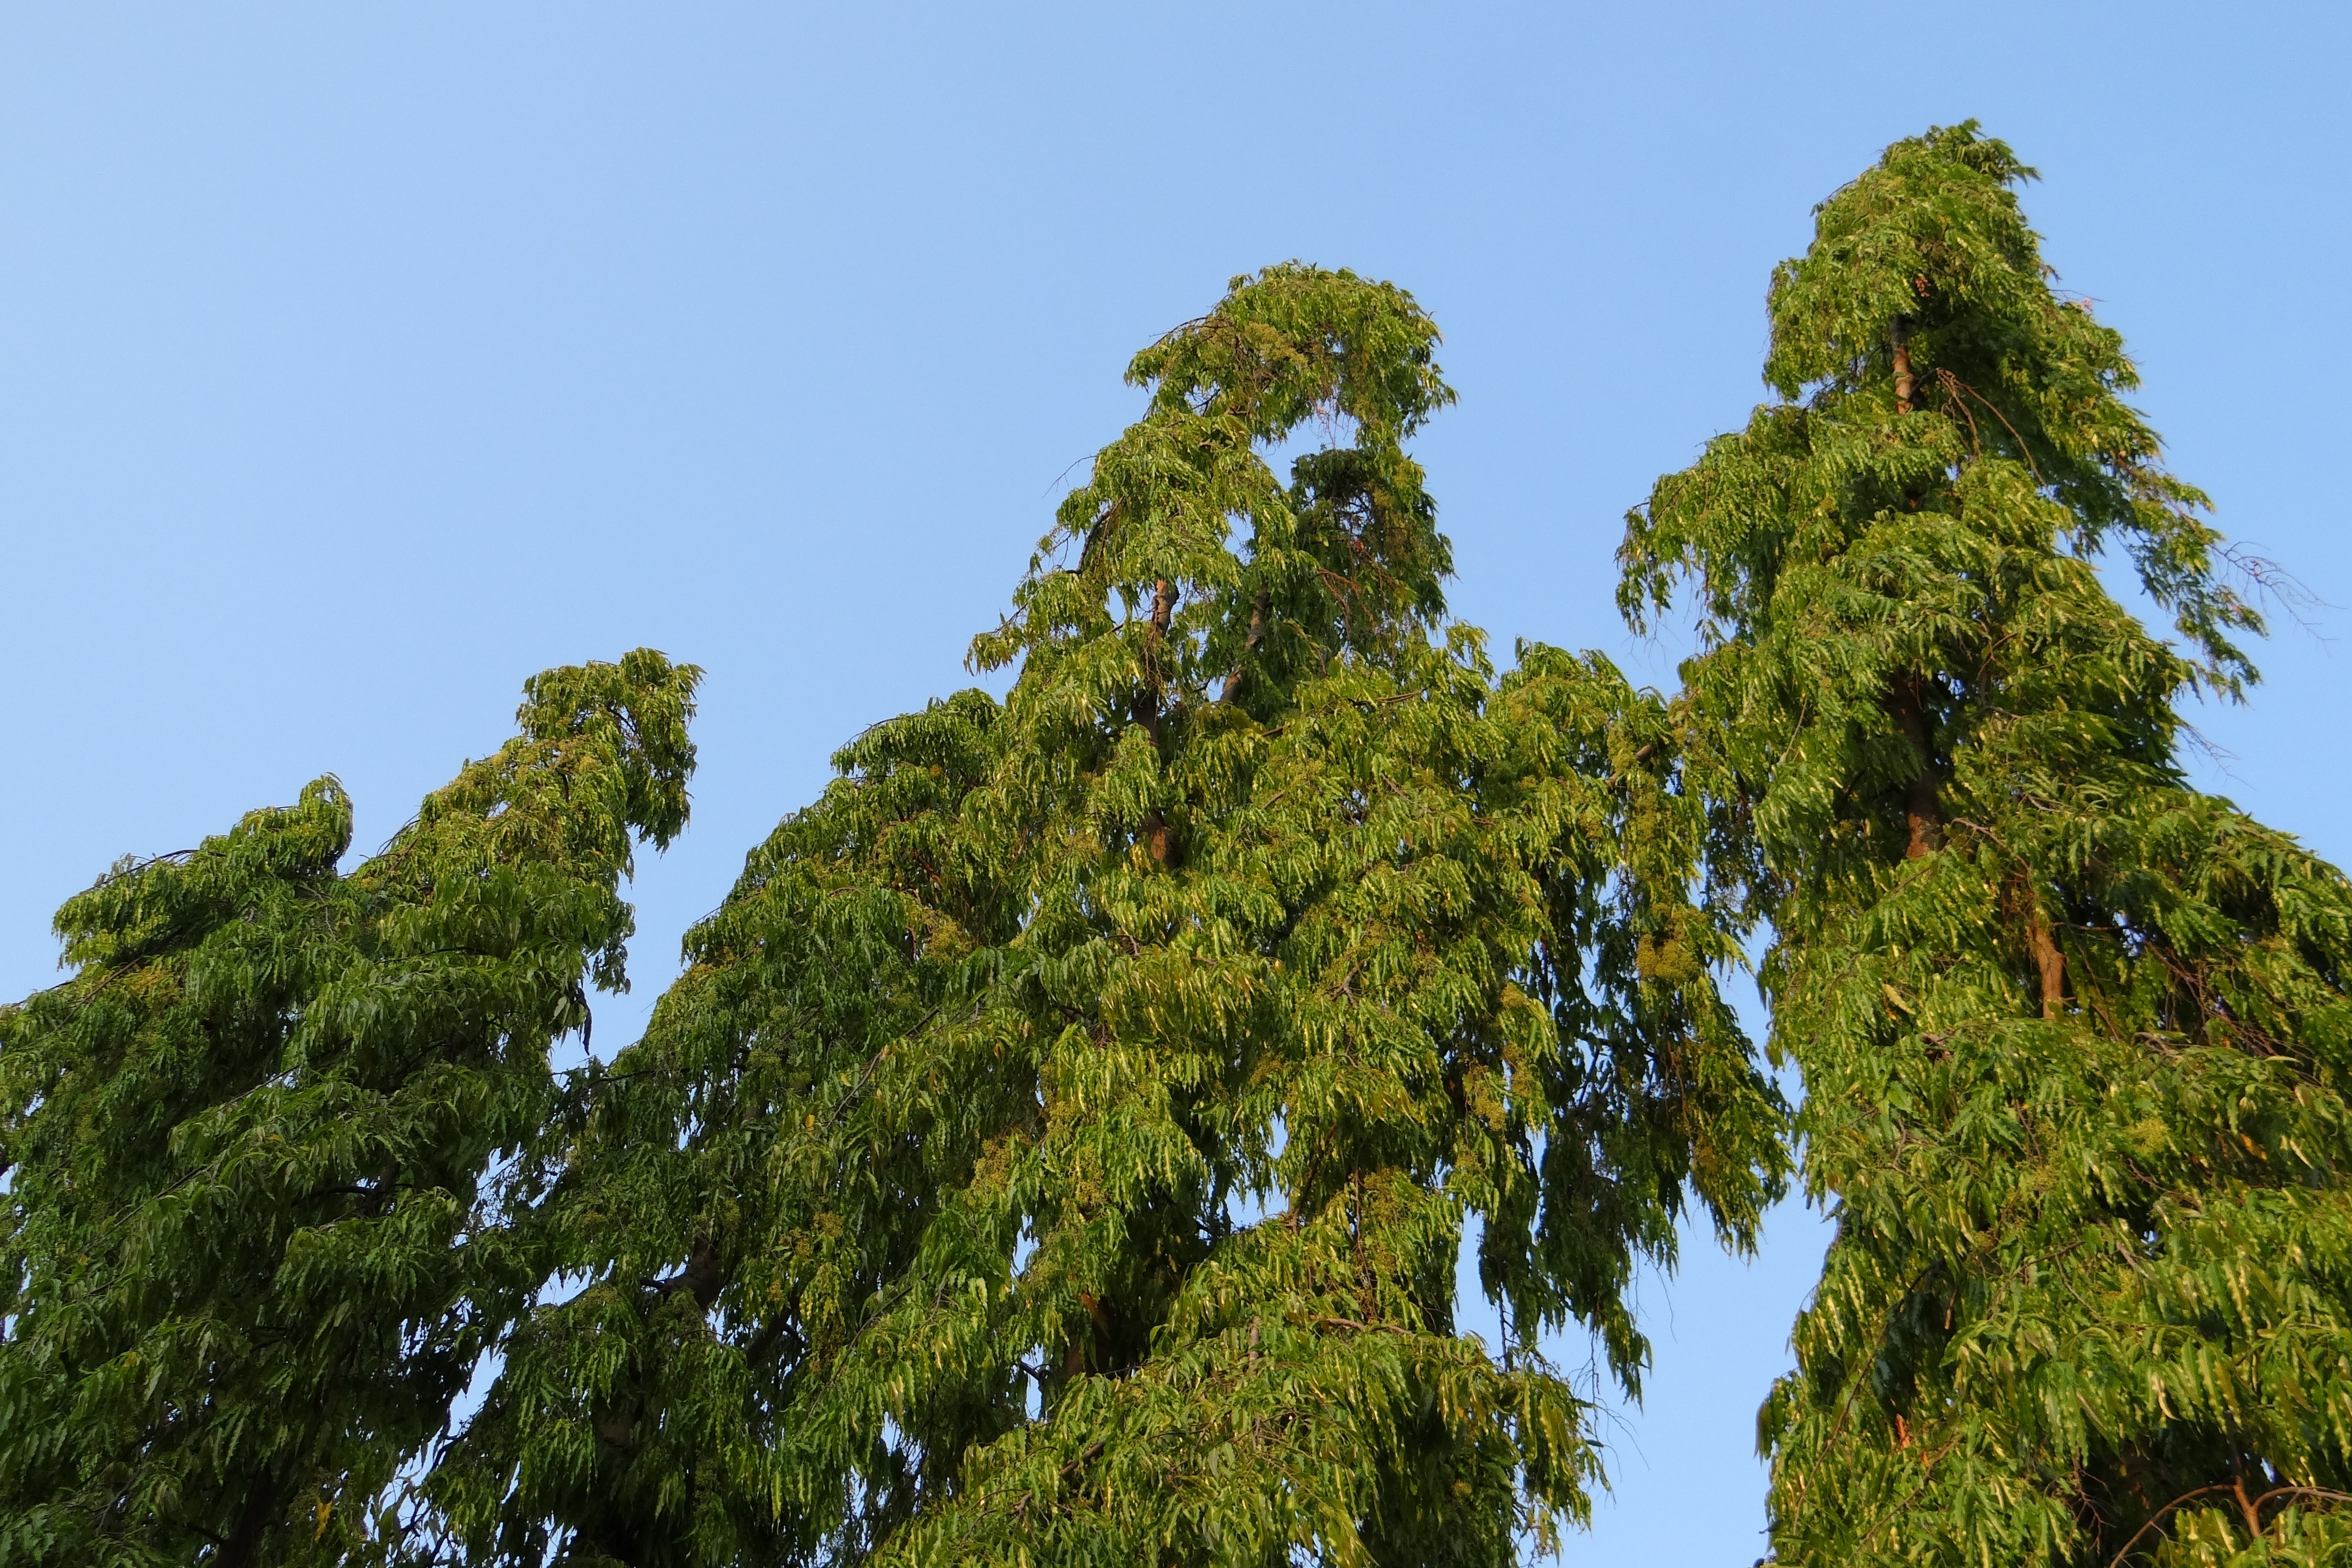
x=1070, y=1141
x=2073, y=1034
x=1059, y=1147
x=247, y=1143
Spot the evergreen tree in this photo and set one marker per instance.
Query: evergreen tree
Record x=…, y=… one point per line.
x=1059, y=1147
x=2075, y=1036
x=245, y=1269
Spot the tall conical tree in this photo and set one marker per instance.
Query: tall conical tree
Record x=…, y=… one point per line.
x=2075, y=1036
x=1059, y=1148
x=244, y=1271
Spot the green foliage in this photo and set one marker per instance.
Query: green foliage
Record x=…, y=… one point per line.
x=1059, y=1147
x=243, y=1270
x=2075, y=1037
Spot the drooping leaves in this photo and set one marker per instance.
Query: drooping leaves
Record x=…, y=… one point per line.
x=245, y=1271
x=1061, y=1143
x=2074, y=1035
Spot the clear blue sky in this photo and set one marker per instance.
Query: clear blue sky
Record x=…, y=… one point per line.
x=358, y=360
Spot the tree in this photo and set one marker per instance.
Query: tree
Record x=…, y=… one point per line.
x=1059, y=1147
x=2073, y=1034
x=245, y=1269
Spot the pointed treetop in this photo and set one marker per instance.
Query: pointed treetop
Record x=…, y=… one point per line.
x=1225, y=570
x=1920, y=338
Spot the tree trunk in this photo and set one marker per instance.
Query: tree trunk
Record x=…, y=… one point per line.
x=2050, y=962
x=1921, y=813
x=262, y=1506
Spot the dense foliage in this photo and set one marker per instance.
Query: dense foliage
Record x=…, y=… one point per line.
x=242, y=1267
x=2075, y=1037
x=1060, y=1146
x=1062, y=1142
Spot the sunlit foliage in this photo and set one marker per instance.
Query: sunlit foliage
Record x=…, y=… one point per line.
x=1060, y=1146
x=2074, y=1035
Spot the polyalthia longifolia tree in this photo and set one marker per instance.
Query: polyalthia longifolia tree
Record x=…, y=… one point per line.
x=2074, y=1035
x=1059, y=1146
x=245, y=1267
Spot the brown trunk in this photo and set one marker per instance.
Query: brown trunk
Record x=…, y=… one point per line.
x=1074, y=1358
x=1921, y=813
x=2050, y=962
x=1902, y=368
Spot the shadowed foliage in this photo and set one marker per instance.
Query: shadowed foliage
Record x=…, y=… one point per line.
x=250, y=1143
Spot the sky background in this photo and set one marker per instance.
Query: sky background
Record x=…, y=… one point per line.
x=357, y=362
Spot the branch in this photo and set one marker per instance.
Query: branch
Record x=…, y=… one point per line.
x=2289, y=1492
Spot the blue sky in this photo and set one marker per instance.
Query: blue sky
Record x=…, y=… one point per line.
x=357, y=362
